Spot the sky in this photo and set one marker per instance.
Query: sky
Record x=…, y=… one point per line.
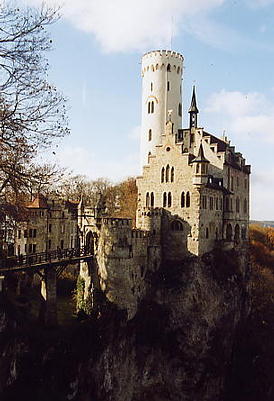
x=228, y=47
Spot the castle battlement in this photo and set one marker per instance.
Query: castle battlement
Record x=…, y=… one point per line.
x=117, y=222
x=163, y=53
x=135, y=233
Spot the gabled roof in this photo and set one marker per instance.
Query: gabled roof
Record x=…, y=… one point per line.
x=39, y=202
x=221, y=145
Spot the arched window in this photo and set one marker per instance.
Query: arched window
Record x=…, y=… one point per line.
x=187, y=199
x=172, y=174
x=151, y=86
x=164, y=199
x=152, y=107
x=163, y=174
x=147, y=199
x=237, y=232
x=176, y=225
x=167, y=173
x=168, y=68
x=148, y=107
x=243, y=233
x=150, y=135
x=197, y=168
x=183, y=200
x=229, y=232
x=169, y=200
x=245, y=206
x=180, y=109
x=237, y=205
x=152, y=199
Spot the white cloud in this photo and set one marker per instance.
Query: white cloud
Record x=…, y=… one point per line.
x=122, y=25
x=81, y=161
x=246, y=114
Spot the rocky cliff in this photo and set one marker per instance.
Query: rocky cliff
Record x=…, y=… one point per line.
x=177, y=347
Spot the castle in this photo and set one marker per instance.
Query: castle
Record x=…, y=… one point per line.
x=193, y=194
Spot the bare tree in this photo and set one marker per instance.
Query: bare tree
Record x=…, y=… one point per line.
x=32, y=111
x=30, y=108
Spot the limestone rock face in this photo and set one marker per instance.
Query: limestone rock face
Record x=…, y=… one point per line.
x=178, y=346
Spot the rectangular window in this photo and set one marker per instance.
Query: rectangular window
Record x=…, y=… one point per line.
x=62, y=244
x=25, y=233
x=221, y=204
x=34, y=233
x=30, y=233
x=211, y=203
x=34, y=248
x=49, y=244
x=26, y=248
x=217, y=203
x=19, y=234
x=30, y=248
x=62, y=229
x=168, y=85
x=49, y=228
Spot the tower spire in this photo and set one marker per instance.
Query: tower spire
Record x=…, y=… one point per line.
x=193, y=111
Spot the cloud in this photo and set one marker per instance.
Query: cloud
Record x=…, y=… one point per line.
x=122, y=25
x=81, y=161
x=246, y=114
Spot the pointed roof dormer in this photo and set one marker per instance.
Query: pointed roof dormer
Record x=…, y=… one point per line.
x=193, y=111
x=201, y=156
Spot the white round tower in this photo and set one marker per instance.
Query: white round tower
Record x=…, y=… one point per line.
x=161, y=93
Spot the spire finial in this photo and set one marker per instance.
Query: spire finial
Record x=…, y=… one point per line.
x=193, y=106
x=193, y=111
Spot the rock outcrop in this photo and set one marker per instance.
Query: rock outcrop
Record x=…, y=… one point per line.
x=177, y=347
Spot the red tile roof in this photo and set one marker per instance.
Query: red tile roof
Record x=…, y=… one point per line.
x=40, y=202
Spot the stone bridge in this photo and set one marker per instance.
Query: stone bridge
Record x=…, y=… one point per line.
x=49, y=266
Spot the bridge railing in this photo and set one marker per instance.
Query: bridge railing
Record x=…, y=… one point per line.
x=43, y=257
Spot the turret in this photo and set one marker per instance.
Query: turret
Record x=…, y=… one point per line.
x=161, y=94
x=200, y=164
